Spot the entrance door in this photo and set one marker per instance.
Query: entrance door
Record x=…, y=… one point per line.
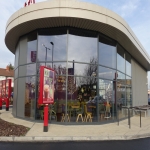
x=107, y=102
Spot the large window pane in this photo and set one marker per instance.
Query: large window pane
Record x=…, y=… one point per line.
x=121, y=100
x=128, y=64
x=120, y=59
x=82, y=69
x=52, y=45
x=31, y=69
x=82, y=46
x=107, y=52
x=121, y=78
x=81, y=94
x=106, y=100
x=106, y=73
x=32, y=47
x=128, y=80
x=129, y=96
x=30, y=97
x=60, y=68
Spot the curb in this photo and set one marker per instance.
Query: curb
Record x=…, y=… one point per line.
x=70, y=138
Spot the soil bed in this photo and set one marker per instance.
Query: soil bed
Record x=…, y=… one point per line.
x=11, y=129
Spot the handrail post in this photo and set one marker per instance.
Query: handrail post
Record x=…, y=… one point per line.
x=129, y=121
x=140, y=118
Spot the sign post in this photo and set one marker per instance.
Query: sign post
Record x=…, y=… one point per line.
x=8, y=93
x=5, y=92
x=0, y=95
x=46, y=95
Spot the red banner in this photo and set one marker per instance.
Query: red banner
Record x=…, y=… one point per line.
x=8, y=88
x=0, y=89
x=33, y=56
x=46, y=95
x=5, y=88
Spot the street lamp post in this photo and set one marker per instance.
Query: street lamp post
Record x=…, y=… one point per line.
x=52, y=52
x=46, y=53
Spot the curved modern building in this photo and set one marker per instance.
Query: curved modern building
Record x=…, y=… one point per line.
x=99, y=63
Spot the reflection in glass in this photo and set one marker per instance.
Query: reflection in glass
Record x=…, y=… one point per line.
x=30, y=97
x=129, y=96
x=120, y=59
x=32, y=47
x=106, y=100
x=107, y=52
x=82, y=46
x=121, y=78
x=106, y=73
x=81, y=93
x=82, y=69
x=38, y=67
x=121, y=101
x=60, y=68
x=54, y=42
x=128, y=64
x=31, y=69
x=128, y=80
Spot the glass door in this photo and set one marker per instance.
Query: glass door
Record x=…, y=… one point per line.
x=107, y=103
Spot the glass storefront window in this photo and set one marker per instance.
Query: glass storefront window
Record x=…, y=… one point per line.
x=107, y=73
x=128, y=80
x=30, y=97
x=60, y=68
x=31, y=69
x=82, y=46
x=107, y=52
x=82, y=69
x=128, y=64
x=121, y=78
x=32, y=47
x=85, y=86
x=106, y=99
x=52, y=45
x=129, y=96
x=82, y=97
x=38, y=67
x=120, y=59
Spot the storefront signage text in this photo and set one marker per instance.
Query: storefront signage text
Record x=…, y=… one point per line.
x=29, y=2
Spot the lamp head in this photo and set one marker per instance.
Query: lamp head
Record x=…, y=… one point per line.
x=52, y=43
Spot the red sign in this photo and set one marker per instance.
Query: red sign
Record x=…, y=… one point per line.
x=46, y=95
x=8, y=88
x=5, y=88
x=29, y=2
x=0, y=89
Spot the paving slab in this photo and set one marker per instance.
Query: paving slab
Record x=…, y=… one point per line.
x=59, y=132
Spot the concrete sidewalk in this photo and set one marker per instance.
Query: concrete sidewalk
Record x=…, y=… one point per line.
x=57, y=132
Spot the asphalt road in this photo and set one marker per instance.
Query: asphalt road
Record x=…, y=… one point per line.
x=140, y=144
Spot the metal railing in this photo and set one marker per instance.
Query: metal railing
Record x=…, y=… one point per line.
x=129, y=115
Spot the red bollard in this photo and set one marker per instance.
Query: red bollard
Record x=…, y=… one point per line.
x=7, y=104
x=0, y=104
x=45, y=129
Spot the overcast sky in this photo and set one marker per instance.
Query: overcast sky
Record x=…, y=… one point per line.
x=135, y=12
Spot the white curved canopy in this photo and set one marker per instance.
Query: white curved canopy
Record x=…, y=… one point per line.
x=57, y=13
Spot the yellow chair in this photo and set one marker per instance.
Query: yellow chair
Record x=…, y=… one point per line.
x=79, y=114
x=88, y=115
x=63, y=117
x=107, y=112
